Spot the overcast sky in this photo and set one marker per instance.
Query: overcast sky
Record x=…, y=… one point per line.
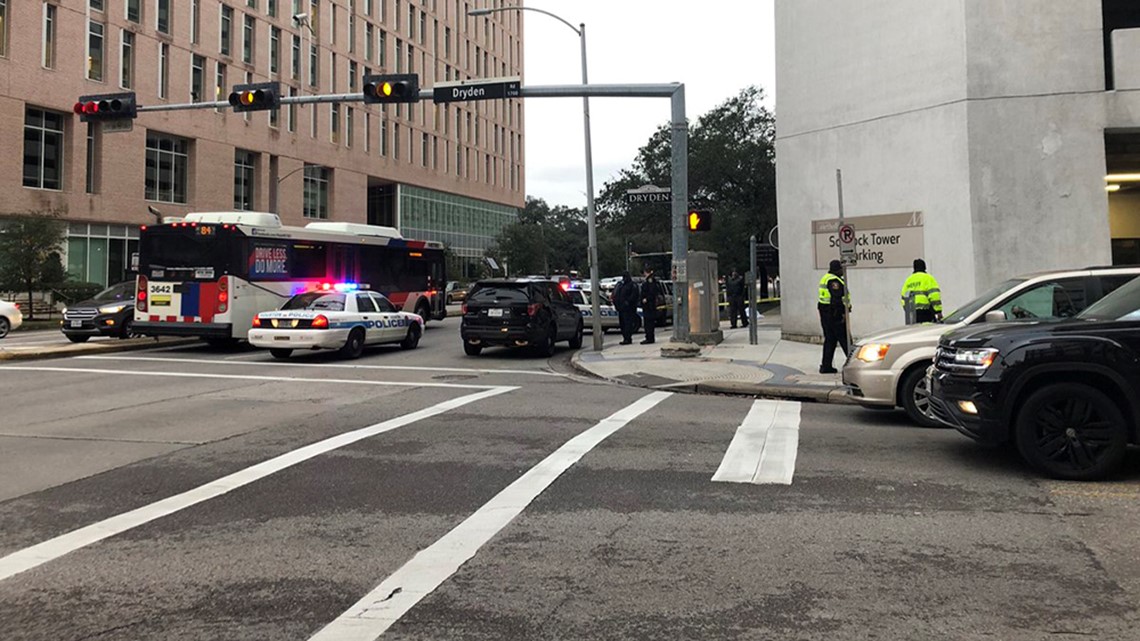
x=716, y=48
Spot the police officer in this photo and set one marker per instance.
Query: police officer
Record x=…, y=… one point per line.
x=650, y=292
x=834, y=304
x=734, y=288
x=921, y=296
x=626, y=295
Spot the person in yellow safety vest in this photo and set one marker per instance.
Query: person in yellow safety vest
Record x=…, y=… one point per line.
x=921, y=297
x=834, y=304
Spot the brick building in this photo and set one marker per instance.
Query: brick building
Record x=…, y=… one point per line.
x=452, y=173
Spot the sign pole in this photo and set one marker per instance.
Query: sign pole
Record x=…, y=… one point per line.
x=846, y=275
x=753, y=339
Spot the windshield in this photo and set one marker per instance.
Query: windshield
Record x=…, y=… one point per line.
x=122, y=291
x=1122, y=304
x=493, y=293
x=969, y=308
x=316, y=300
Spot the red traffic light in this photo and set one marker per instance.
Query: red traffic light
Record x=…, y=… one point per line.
x=120, y=106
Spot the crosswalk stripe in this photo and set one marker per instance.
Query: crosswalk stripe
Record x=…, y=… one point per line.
x=763, y=450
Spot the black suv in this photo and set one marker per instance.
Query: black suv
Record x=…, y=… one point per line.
x=519, y=313
x=110, y=313
x=1064, y=391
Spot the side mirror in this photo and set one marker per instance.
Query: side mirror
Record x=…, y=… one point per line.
x=996, y=316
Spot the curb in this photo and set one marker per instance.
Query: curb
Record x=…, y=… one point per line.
x=96, y=348
x=811, y=393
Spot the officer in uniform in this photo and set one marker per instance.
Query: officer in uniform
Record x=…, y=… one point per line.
x=921, y=297
x=834, y=304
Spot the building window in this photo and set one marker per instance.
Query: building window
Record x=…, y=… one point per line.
x=3, y=27
x=447, y=42
x=314, y=65
x=395, y=141
x=226, y=30
x=195, y=20
x=167, y=164
x=351, y=75
x=92, y=157
x=134, y=11
x=423, y=25
x=411, y=21
x=399, y=55
x=369, y=44
x=94, y=50
x=334, y=124
x=219, y=83
x=381, y=47
x=383, y=136
x=245, y=168
x=424, y=148
x=96, y=5
x=49, y=36
x=247, y=39
x=274, y=49
x=316, y=192
x=291, y=123
x=352, y=26
x=197, y=78
x=332, y=23
x=296, y=57
x=367, y=132
x=127, y=60
x=162, y=17
x=43, y=149
x=348, y=126
x=252, y=4
x=411, y=58
x=271, y=8
x=163, y=70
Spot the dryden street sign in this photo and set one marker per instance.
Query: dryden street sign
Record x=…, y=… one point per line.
x=648, y=194
x=886, y=240
x=484, y=89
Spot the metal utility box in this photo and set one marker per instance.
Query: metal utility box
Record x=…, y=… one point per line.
x=704, y=296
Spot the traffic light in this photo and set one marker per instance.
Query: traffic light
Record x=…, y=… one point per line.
x=258, y=96
x=393, y=87
x=108, y=106
x=700, y=220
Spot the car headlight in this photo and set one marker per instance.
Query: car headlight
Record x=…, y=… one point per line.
x=111, y=309
x=872, y=352
x=978, y=360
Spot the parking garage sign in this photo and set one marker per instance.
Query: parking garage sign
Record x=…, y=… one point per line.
x=886, y=240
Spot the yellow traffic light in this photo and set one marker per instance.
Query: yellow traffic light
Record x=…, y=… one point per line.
x=386, y=88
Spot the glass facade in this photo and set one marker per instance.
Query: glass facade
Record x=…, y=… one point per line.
x=466, y=225
x=100, y=253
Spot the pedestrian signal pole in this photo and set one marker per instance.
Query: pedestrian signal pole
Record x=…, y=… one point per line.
x=753, y=339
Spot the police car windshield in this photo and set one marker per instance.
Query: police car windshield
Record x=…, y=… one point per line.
x=964, y=312
x=1122, y=304
x=323, y=301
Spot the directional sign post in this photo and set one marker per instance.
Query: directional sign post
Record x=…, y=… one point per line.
x=485, y=89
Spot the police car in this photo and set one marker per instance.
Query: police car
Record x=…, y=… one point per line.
x=581, y=300
x=343, y=317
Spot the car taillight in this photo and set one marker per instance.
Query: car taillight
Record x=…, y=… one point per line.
x=321, y=322
x=463, y=308
x=257, y=321
x=140, y=303
x=532, y=309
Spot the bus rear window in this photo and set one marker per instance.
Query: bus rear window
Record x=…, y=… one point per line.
x=173, y=250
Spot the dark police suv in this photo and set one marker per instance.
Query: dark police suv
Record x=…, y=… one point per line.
x=519, y=313
x=1066, y=392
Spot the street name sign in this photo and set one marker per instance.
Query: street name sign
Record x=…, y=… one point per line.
x=648, y=194
x=483, y=89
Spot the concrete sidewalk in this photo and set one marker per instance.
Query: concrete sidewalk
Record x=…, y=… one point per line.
x=773, y=368
x=15, y=351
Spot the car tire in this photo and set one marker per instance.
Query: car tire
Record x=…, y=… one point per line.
x=449, y=301
x=413, y=338
x=5, y=326
x=353, y=345
x=128, y=329
x=77, y=339
x=914, y=396
x=280, y=353
x=547, y=346
x=576, y=341
x=1071, y=431
x=472, y=349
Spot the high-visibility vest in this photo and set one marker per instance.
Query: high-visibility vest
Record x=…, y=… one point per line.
x=825, y=292
x=924, y=290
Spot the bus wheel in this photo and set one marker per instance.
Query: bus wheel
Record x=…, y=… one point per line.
x=425, y=312
x=354, y=346
x=412, y=339
x=281, y=353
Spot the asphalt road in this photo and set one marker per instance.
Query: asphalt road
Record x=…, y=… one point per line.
x=189, y=493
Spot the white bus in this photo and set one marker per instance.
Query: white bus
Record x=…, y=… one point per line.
x=209, y=274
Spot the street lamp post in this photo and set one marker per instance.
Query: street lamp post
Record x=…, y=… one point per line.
x=591, y=212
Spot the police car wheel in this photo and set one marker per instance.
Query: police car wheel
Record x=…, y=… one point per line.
x=472, y=349
x=547, y=346
x=78, y=339
x=413, y=337
x=354, y=345
x=280, y=353
x=576, y=342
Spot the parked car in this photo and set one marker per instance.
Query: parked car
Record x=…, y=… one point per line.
x=10, y=317
x=111, y=312
x=1063, y=390
x=888, y=369
x=454, y=292
x=519, y=313
x=585, y=304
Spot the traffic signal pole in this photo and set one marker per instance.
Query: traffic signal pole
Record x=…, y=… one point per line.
x=680, y=161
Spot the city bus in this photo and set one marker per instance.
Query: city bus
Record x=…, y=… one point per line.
x=208, y=274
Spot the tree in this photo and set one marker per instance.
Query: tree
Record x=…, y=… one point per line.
x=27, y=243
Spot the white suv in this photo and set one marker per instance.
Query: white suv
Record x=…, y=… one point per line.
x=887, y=370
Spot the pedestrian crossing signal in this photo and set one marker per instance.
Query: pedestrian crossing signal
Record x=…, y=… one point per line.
x=700, y=220
x=258, y=96
x=393, y=87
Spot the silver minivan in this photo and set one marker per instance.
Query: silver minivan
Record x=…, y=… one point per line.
x=886, y=370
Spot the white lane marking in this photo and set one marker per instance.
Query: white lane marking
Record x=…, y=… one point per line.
x=763, y=450
x=52, y=549
x=329, y=365
x=372, y=615
x=243, y=377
